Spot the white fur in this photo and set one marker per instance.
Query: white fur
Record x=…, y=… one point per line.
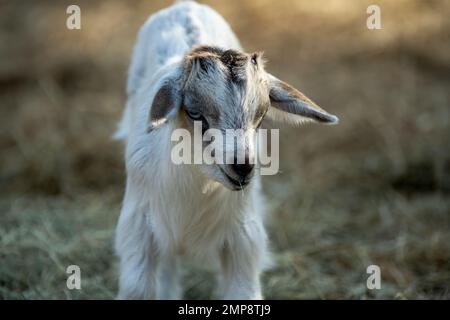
x=173, y=212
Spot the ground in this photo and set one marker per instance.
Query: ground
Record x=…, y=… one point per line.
x=372, y=190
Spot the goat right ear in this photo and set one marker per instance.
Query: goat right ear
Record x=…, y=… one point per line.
x=165, y=105
x=290, y=105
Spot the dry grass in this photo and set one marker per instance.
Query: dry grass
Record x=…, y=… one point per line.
x=373, y=190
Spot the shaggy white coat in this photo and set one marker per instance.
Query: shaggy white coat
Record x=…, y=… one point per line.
x=172, y=212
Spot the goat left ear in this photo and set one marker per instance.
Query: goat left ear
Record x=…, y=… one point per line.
x=165, y=105
x=290, y=105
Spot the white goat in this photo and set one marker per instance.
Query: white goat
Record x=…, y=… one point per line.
x=188, y=65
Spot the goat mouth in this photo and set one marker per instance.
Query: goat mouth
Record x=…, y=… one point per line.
x=238, y=185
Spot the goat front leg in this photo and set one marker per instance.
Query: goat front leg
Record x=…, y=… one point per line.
x=136, y=248
x=241, y=260
x=169, y=279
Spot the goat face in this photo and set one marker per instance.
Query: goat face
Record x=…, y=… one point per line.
x=229, y=94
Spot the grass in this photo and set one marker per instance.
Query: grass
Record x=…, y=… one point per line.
x=373, y=190
x=51, y=234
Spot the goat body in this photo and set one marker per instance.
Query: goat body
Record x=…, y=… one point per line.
x=188, y=67
x=172, y=212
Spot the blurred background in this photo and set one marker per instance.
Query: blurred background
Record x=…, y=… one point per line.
x=372, y=190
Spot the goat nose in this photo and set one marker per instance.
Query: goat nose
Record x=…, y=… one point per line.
x=243, y=170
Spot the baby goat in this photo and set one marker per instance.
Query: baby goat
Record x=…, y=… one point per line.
x=188, y=66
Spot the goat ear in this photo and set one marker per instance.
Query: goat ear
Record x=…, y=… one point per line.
x=165, y=105
x=290, y=105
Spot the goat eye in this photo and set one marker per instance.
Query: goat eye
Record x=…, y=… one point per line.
x=194, y=115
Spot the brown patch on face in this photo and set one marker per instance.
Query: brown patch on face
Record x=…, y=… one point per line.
x=205, y=49
x=233, y=60
x=228, y=87
x=201, y=55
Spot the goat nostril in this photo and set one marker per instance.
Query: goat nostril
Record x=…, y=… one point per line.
x=243, y=170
